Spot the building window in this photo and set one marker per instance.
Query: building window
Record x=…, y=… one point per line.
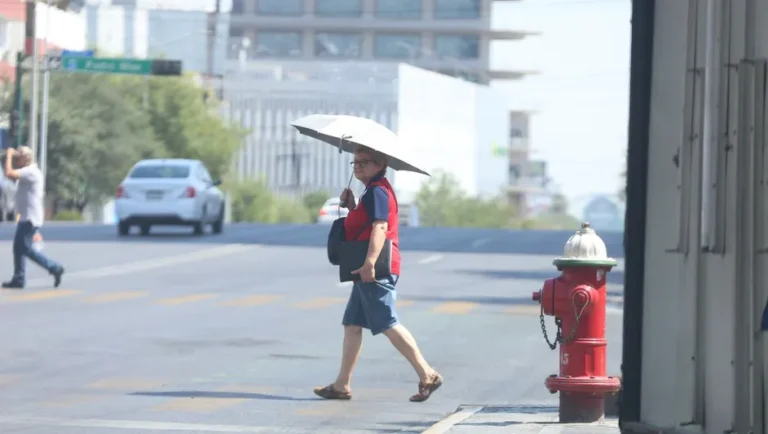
x=238, y=7
x=335, y=44
x=339, y=8
x=235, y=43
x=278, y=44
x=458, y=9
x=398, y=9
x=397, y=46
x=283, y=8
x=457, y=46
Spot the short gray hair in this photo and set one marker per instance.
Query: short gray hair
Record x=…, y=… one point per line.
x=27, y=152
x=377, y=157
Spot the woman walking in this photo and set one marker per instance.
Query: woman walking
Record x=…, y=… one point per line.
x=371, y=304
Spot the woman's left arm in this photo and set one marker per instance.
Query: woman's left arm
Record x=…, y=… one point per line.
x=376, y=243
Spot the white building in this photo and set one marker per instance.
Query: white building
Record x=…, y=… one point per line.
x=454, y=125
x=142, y=31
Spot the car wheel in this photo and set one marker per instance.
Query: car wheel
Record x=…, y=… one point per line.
x=123, y=229
x=218, y=225
x=198, y=228
x=145, y=229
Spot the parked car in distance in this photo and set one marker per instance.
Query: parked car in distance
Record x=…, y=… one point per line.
x=169, y=192
x=330, y=211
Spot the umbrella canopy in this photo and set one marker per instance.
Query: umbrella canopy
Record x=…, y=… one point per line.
x=349, y=132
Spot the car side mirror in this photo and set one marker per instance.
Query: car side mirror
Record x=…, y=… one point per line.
x=216, y=182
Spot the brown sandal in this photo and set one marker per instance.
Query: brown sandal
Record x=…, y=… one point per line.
x=330, y=392
x=426, y=389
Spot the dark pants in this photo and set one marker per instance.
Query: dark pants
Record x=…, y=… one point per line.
x=22, y=246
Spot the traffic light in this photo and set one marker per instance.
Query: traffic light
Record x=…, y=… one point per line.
x=166, y=67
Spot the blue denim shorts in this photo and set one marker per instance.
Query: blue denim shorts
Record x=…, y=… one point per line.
x=372, y=305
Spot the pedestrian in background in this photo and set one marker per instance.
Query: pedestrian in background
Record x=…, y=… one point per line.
x=371, y=304
x=29, y=207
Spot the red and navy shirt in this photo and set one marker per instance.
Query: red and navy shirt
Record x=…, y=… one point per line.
x=377, y=203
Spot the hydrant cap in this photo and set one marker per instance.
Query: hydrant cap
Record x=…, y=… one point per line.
x=585, y=248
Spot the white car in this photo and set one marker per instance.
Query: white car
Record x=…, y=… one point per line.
x=174, y=192
x=330, y=211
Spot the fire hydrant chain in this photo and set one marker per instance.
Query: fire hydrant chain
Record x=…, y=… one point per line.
x=559, y=323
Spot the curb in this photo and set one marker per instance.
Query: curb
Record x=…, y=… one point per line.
x=461, y=414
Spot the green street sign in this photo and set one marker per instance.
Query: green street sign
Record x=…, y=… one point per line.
x=106, y=65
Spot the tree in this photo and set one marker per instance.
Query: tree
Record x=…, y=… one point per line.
x=99, y=126
x=93, y=139
x=185, y=121
x=441, y=202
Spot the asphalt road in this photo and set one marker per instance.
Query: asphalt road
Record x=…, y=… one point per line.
x=231, y=333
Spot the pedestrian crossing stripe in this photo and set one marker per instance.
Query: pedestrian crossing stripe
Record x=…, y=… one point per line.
x=295, y=302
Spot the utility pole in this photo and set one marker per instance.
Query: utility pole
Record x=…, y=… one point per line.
x=32, y=40
x=46, y=90
x=295, y=158
x=213, y=19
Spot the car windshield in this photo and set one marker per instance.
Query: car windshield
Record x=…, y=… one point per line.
x=160, y=171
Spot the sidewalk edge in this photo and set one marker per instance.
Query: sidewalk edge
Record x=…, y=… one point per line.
x=462, y=413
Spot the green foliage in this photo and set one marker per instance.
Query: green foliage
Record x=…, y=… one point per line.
x=100, y=125
x=253, y=202
x=441, y=202
x=68, y=215
x=313, y=201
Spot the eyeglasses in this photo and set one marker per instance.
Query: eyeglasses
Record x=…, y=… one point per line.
x=359, y=163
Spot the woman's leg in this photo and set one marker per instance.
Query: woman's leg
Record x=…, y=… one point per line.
x=353, y=342
x=403, y=340
x=379, y=301
x=354, y=321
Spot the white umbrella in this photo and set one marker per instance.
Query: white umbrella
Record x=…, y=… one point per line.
x=349, y=132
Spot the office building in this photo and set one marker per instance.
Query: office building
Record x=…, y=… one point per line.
x=452, y=37
x=141, y=30
x=415, y=103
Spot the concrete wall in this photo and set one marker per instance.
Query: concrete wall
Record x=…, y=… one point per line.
x=703, y=362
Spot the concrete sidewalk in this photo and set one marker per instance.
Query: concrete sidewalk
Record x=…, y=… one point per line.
x=489, y=419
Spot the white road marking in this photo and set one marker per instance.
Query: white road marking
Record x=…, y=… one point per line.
x=152, y=264
x=479, y=242
x=430, y=259
x=151, y=426
x=452, y=420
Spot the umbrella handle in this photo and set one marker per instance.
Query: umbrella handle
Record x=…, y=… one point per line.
x=351, y=176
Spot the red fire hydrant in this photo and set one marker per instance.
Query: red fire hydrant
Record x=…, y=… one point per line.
x=577, y=300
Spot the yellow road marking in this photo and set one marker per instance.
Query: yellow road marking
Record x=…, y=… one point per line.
x=42, y=295
x=523, y=310
x=254, y=300
x=457, y=307
x=125, y=384
x=185, y=299
x=319, y=303
x=198, y=405
x=211, y=404
x=326, y=409
x=6, y=379
x=404, y=303
x=115, y=296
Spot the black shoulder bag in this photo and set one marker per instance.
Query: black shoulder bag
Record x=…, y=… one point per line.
x=352, y=256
